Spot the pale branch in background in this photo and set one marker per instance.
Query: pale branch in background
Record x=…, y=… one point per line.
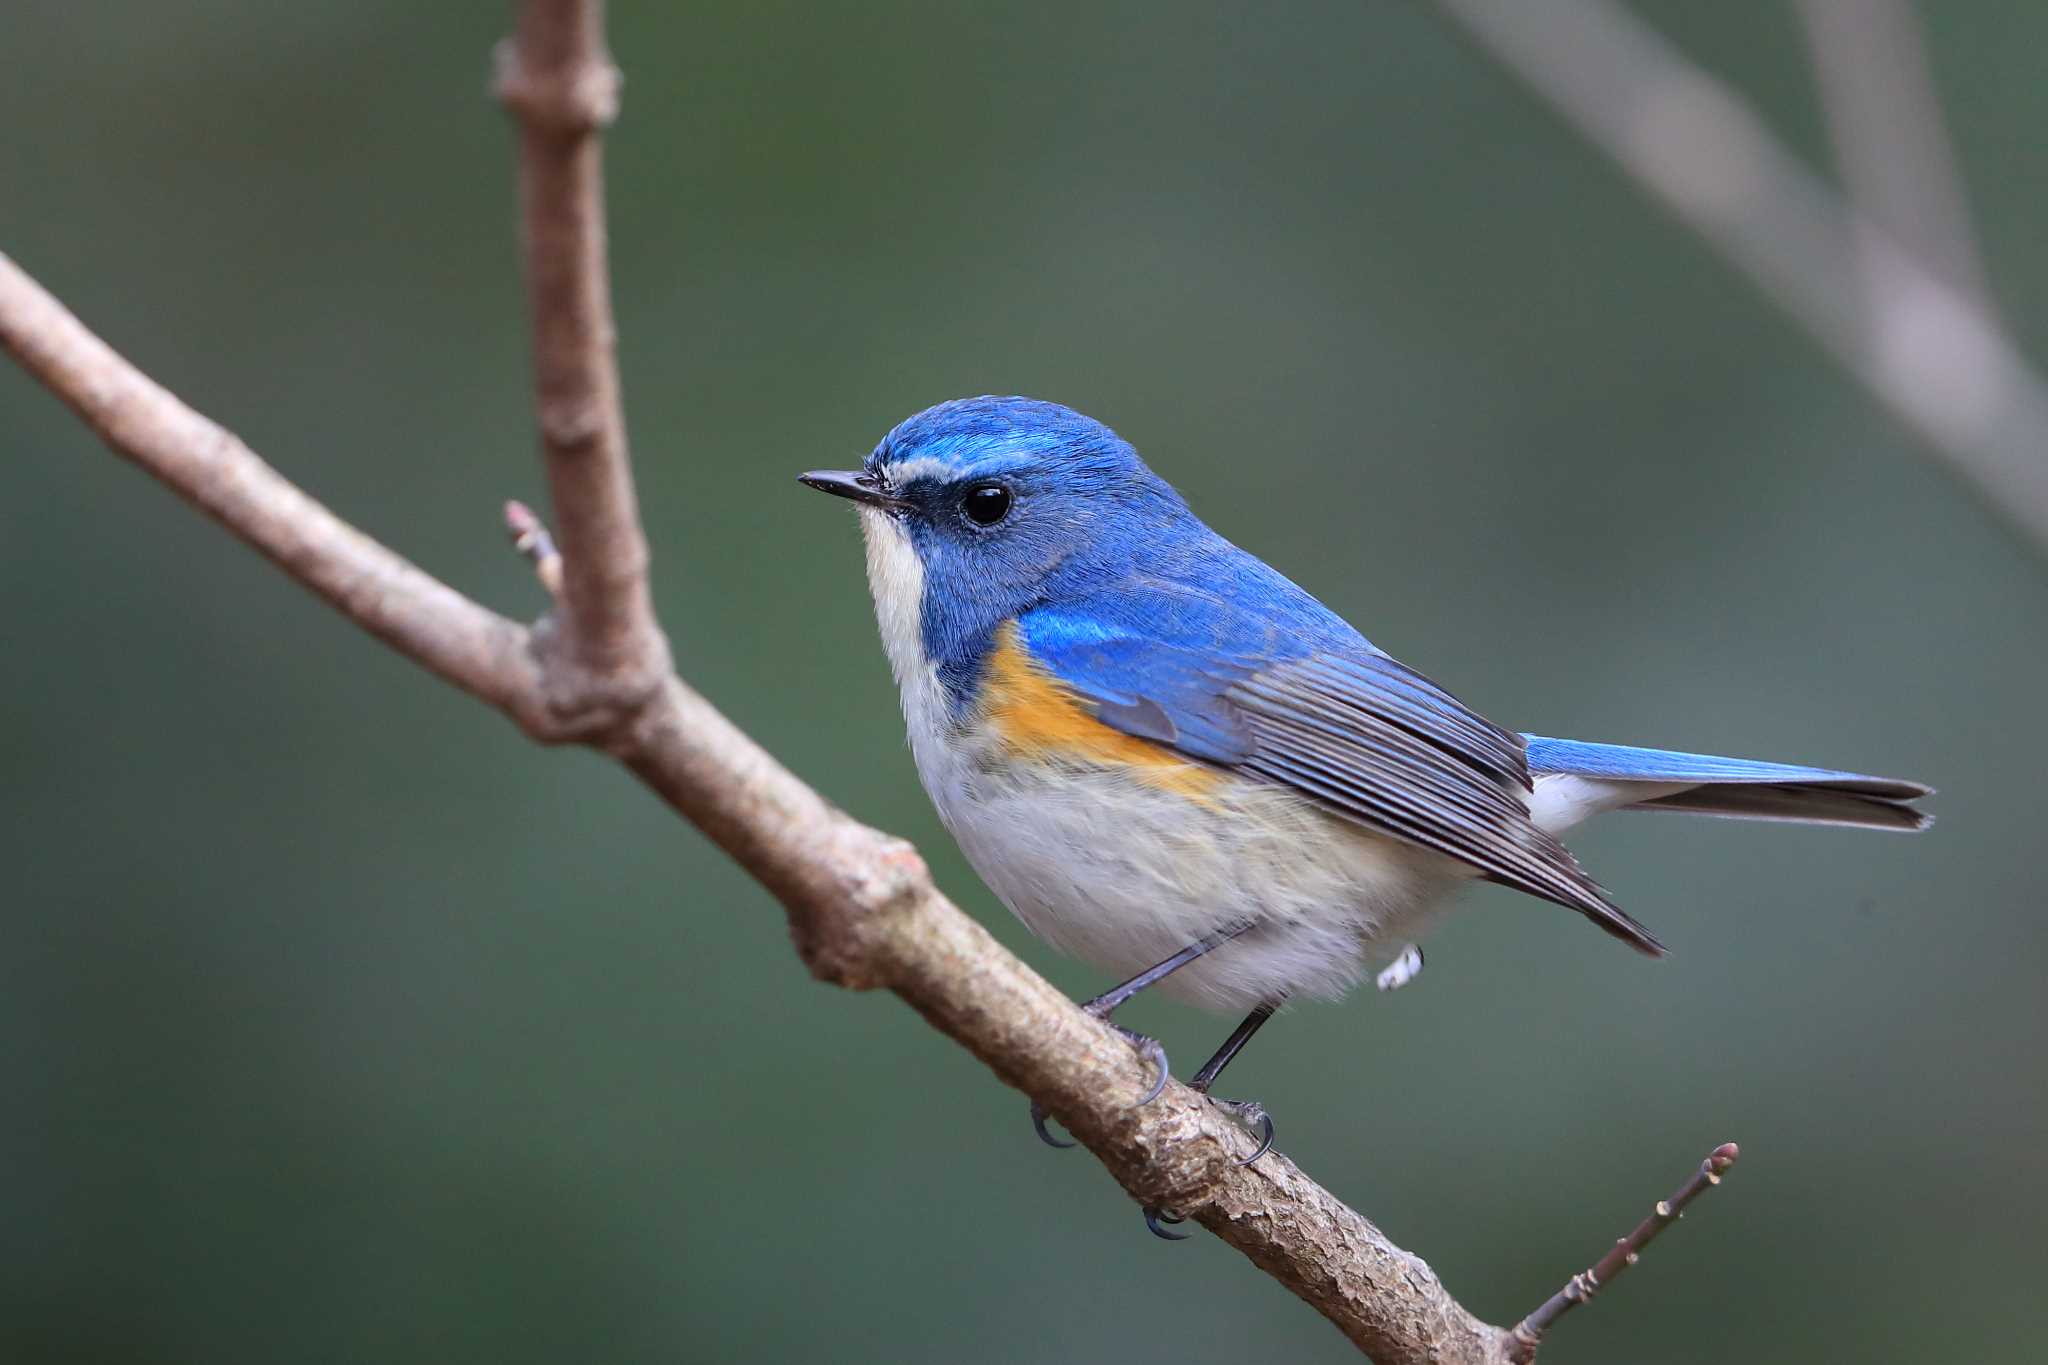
x=863, y=910
x=1921, y=344
x=1884, y=119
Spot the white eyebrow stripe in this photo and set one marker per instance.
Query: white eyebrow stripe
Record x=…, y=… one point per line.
x=923, y=467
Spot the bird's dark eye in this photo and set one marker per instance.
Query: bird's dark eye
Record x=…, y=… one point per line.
x=986, y=503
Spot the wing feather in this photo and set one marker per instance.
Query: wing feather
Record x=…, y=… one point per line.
x=1413, y=701
x=1356, y=731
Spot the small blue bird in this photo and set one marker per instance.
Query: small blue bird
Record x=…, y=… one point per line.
x=1173, y=763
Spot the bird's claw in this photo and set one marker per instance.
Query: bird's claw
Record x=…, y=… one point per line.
x=1152, y=1050
x=1155, y=1216
x=1251, y=1116
x=1148, y=1048
x=1038, y=1118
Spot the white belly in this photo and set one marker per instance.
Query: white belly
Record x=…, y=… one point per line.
x=1124, y=875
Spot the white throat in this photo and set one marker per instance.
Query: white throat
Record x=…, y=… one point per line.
x=896, y=578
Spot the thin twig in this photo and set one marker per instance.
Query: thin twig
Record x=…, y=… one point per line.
x=1528, y=1333
x=1923, y=349
x=530, y=537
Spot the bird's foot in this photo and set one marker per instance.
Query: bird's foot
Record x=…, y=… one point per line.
x=1154, y=1217
x=1247, y=1114
x=1038, y=1118
x=1153, y=1051
x=1251, y=1116
x=1147, y=1047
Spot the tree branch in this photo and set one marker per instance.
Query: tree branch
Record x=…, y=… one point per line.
x=1920, y=345
x=558, y=80
x=477, y=650
x=863, y=910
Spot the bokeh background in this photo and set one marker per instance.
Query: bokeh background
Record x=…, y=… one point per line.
x=339, y=1023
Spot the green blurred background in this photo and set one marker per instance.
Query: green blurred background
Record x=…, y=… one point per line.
x=339, y=1023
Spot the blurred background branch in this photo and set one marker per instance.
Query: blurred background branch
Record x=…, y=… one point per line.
x=1891, y=146
x=1914, y=329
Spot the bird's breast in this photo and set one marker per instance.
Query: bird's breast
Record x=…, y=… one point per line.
x=1022, y=714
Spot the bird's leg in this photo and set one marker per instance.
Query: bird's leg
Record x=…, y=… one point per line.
x=1250, y=1113
x=1105, y=1004
x=1232, y=1045
x=1406, y=966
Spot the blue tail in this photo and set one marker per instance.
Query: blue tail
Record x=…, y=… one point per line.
x=1739, y=787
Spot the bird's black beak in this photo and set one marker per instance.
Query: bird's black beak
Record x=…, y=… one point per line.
x=857, y=484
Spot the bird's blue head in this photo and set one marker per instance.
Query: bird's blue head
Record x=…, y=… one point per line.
x=977, y=510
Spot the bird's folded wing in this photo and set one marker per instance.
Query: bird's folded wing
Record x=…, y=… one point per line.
x=1360, y=733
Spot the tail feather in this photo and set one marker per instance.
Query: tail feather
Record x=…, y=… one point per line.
x=1735, y=787
x=1799, y=804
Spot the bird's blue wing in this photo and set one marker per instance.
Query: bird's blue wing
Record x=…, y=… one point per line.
x=1338, y=721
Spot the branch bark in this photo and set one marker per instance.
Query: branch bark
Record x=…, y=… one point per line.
x=557, y=78
x=863, y=911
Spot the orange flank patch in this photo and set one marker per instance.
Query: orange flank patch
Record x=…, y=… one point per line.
x=1037, y=716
